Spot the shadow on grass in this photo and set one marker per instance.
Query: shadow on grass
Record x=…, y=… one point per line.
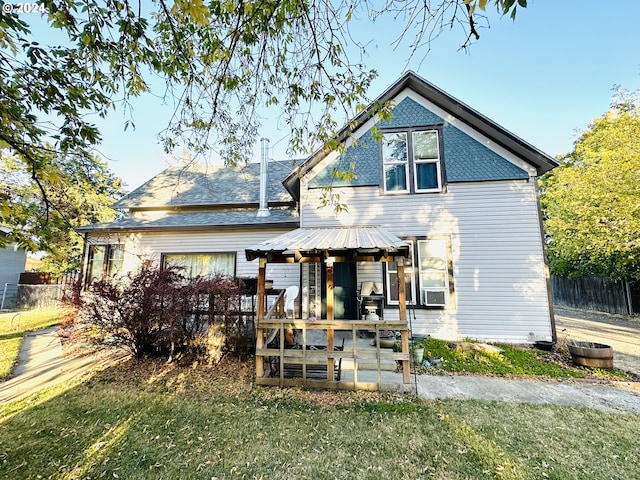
x=11, y=336
x=151, y=419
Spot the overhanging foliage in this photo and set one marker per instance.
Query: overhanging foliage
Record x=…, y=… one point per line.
x=591, y=203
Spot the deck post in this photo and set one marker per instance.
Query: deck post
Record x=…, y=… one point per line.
x=330, y=317
x=402, y=306
x=260, y=313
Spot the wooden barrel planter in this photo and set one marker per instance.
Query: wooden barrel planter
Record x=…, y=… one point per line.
x=590, y=354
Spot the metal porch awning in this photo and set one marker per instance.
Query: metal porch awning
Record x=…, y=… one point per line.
x=340, y=243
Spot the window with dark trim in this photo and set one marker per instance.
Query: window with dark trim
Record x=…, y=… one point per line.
x=428, y=274
x=104, y=260
x=412, y=161
x=202, y=264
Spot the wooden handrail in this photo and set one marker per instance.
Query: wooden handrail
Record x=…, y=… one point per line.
x=274, y=308
x=303, y=355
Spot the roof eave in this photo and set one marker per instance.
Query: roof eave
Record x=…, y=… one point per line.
x=181, y=228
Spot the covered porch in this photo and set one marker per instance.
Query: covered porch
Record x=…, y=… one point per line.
x=347, y=353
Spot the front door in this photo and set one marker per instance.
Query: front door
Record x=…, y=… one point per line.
x=345, y=304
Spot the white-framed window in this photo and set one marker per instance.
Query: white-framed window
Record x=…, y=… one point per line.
x=428, y=274
x=411, y=161
x=409, y=279
x=426, y=160
x=202, y=264
x=433, y=267
x=104, y=260
x=395, y=162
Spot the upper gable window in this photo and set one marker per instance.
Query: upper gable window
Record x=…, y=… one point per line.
x=395, y=162
x=412, y=161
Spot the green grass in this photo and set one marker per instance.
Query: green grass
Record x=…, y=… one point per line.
x=14, y=326
x=514, y=361
x=154, y=421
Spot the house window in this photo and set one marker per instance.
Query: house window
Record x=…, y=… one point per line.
x=202, y=264
x=409, y=279
x=426, y=159
x=104, y=260
x=395, y=162
x=433, y=266
x=428, y=274
x=412, y=155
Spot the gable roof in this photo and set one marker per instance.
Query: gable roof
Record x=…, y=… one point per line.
x=538, y=159
x=206, y=185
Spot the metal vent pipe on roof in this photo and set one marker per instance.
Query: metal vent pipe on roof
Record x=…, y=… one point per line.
x=263, y=210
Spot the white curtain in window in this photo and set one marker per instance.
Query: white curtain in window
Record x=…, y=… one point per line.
x=204, y=264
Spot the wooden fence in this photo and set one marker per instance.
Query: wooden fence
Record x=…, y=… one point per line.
x=596, y=293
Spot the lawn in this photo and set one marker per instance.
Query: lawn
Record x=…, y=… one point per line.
x=153, y=420
x=14, y=326
x=514, y=360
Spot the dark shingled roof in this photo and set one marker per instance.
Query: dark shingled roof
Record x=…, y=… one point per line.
x=209, y=186
x=220, y=219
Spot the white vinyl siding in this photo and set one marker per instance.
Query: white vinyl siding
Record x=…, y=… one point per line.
x=496, y=248
x=153, y=244
x=13, y=260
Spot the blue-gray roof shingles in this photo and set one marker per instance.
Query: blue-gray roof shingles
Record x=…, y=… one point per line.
x=465, y=158
x=203, y=198
x=209, y=186
x=223, y=218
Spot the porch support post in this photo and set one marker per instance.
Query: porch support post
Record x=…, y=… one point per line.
x=402, y=292
x=260, y=312
x=402, y=307
x=330, y=339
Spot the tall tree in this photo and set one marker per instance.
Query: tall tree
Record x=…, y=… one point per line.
x=82, y=189
x=591, y=203
x=220, y=61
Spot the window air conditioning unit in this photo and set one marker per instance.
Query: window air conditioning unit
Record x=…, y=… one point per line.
x=431, y=297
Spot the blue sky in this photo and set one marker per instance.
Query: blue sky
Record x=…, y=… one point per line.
x=543, y=77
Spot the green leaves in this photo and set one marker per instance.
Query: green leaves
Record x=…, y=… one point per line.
x=591, y=203
x=77, y=191
x=222, y=63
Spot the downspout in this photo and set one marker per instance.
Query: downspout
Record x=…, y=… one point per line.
x=263, y=210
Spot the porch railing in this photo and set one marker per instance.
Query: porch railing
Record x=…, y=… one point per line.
x=307, y=355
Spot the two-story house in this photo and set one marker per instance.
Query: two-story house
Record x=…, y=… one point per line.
x=454, y=187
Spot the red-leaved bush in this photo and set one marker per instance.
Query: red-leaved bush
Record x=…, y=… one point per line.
x=154, y=311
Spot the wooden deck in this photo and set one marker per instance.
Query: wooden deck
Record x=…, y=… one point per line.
x=320, y=360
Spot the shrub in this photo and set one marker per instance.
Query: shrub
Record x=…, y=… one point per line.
x=154, y=311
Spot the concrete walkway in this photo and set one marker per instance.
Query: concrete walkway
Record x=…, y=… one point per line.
x=622, y=332
x=609, y=397
x=41, y=364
